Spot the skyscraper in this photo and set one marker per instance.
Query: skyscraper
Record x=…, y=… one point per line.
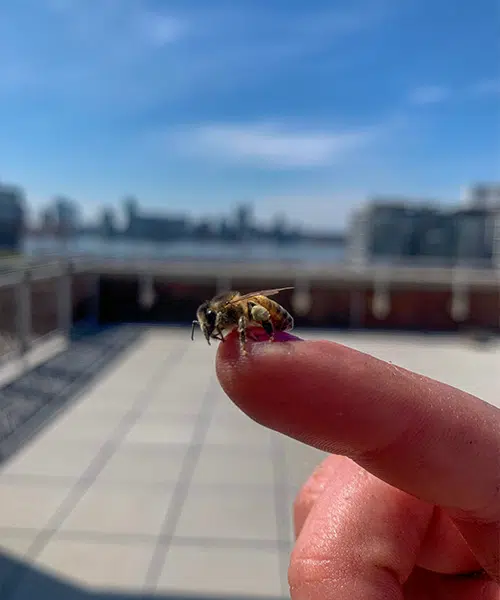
x=12, y=215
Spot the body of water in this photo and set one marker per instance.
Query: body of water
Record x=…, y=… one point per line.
x=302, y=252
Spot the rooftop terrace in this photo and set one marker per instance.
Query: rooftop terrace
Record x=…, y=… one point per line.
x=145, y=481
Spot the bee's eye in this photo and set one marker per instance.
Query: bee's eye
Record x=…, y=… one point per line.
x=211, y=316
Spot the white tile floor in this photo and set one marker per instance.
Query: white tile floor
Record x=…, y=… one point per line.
x=152, y=480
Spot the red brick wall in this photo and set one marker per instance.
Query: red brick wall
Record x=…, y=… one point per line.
x=484, y=309
x=413, y=309
x=330, y=307
x=178, y=300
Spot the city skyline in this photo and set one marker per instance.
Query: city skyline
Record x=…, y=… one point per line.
x=307, y=109
x=132, y=218
x=385, y=227
x=41, y=216
x=476, y=193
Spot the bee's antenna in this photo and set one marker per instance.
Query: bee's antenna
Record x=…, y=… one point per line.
x=192, y=329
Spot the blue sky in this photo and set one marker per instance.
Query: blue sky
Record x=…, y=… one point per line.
x=301, y=107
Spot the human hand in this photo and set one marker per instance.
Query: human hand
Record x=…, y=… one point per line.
x=408, y=504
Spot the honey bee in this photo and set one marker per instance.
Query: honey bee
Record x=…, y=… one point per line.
x=231, y=310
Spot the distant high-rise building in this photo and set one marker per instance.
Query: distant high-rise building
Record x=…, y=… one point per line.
x=404, y=232
x=48, y=220
x=495, y=238
x=108, y=228
x=279, y=227
x=153, y=227
x=383, y=230
x=131, y=206
x=244, y=218
x=12, y=216
x=474, y=234
x=67, y=214
x=482, y=195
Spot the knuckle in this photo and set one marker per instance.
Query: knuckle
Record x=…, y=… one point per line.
x=306, y=571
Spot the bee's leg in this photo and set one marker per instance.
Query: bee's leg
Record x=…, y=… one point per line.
x=261, y=315
x=242, y=331
x=218, y=328
x=269, y=329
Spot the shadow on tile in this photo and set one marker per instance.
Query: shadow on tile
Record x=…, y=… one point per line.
x=31, y=401
x=22, y=581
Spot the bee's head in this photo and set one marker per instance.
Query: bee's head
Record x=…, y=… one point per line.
x=206, y=318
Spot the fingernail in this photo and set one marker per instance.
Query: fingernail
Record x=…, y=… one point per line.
x=279, y=336
x=287, y=337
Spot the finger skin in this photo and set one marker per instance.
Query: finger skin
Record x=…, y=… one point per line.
x=443, y=549
x=361, y=540
x=421, y=436
x=312, y=489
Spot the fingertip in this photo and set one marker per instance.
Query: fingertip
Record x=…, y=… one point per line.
x=402, y=426
x=235, y=368
x=230, y=353
x=267, y=380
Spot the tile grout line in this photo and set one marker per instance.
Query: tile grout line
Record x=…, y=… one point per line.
x=51, y=481
x=181, y=489
x=80, y=488
x=140, y=538
x=36, y=422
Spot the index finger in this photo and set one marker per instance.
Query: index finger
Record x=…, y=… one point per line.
x=422, y=436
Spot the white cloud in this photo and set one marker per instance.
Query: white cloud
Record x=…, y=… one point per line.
x=429, y=94
x=437, y=94
x=269, y=145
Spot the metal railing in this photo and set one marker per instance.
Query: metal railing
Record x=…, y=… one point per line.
x=414, y=273
x=31, y=316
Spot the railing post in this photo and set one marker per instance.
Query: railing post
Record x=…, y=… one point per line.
x=23, y=311
x=459, y=308
x=357, y=296
x=302, y=297
x=223, y=284
x=381, y=303
x=65, y=300
x=147, y=294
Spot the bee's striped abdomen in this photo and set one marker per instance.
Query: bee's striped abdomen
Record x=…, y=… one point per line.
x=286, y=321
x=282, y=320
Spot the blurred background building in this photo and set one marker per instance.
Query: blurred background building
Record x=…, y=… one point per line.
x=400, y=231
x=482, y=195
x=152, y=227
x=12, y=218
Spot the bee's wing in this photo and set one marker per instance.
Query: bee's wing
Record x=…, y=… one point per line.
x=272, y=292
x=224, y=298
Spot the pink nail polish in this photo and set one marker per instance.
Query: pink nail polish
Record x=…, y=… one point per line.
x=279, y=336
